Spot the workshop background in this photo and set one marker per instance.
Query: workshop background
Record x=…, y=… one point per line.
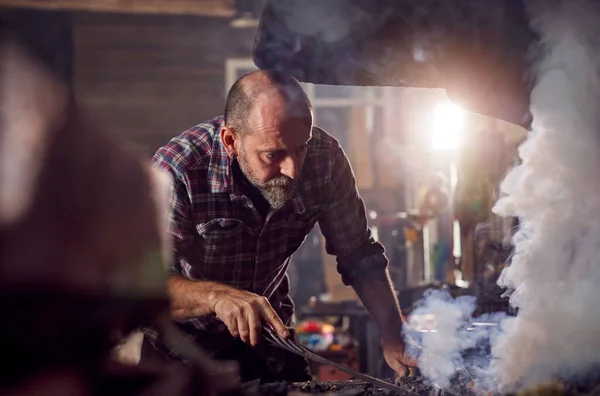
x=146, y=76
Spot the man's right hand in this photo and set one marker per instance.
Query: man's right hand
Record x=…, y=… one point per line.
x=244, y=313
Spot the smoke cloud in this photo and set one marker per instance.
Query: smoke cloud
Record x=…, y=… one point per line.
x=554, y=276
x=555, y=272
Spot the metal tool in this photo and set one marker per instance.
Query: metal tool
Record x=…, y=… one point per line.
x=298, y=349
x=436, y=391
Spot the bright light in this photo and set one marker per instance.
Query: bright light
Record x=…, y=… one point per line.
x=448, y=121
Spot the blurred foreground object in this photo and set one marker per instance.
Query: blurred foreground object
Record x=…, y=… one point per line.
x=82, y=248
x=479, y=51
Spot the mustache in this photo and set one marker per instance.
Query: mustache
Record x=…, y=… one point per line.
x=280, y=181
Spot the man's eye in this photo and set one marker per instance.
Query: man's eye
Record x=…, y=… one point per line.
x=270, y=155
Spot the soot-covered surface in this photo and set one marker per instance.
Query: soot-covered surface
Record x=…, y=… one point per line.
x=412, y=385
x=416, y=385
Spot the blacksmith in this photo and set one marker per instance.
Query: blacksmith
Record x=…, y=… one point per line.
x=248, y=188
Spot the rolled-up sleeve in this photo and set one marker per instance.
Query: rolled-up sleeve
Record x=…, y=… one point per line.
x=179, y=224
x=344, y=226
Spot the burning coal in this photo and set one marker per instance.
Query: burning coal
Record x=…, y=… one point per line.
x=554, y=276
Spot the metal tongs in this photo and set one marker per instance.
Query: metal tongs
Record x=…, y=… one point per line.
x=273, y=338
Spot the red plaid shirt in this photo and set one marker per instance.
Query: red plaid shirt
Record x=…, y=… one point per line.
x=220, y=236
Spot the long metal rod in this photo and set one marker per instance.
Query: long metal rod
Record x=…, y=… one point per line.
x=293, y=347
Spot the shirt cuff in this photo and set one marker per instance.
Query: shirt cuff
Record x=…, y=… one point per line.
x=354, y=269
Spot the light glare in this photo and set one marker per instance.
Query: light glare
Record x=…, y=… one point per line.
x=448, y=121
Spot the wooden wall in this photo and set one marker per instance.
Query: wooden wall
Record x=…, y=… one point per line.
x=47, y=35
x=147, y=77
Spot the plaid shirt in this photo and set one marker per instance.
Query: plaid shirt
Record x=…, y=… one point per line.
x=220, y=236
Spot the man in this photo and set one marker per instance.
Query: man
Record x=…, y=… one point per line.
x=248, y=188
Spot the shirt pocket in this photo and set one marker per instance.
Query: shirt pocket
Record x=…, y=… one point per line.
x=219, y=228
x=219, y=249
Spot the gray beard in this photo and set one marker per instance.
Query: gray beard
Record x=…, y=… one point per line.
x=277, y=197
x=277, y=192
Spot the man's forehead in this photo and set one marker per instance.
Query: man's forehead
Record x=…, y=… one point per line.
x=279, y=124
x=281, y=137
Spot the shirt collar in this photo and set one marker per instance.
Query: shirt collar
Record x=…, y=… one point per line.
x=219, y=168
x=221, y=180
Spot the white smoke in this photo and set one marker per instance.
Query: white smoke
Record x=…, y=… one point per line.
x=441, y=351
x=554, y=275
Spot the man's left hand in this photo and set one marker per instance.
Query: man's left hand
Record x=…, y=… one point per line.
x=396, y=357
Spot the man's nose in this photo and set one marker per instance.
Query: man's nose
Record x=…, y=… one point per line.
x=289, y=167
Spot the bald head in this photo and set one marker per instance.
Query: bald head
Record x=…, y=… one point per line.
x=265, y=93
x=268, y=125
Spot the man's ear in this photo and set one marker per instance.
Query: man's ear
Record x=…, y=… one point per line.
x=228, y=138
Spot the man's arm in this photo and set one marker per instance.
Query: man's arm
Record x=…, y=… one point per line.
x=242, y=312
x=178, y=216
x=361, y=260
x=376, y=292
x=191, y=299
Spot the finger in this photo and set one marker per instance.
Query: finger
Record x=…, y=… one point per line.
x=271, y=317
x=400, y=369
x=409, y=361
x=242, y=325
x=255, y=328
x=232, y=326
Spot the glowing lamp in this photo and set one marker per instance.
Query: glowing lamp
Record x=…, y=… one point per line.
x=448, y=121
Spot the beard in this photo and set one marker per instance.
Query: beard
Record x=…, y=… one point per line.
x=276, y=191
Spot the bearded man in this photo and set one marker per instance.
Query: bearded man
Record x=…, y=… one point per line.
x=248, y=187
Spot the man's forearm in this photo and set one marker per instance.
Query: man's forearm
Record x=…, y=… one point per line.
x=377, y=294
x=191, y=299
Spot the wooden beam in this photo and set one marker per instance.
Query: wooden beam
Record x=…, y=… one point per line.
x=212, y=8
